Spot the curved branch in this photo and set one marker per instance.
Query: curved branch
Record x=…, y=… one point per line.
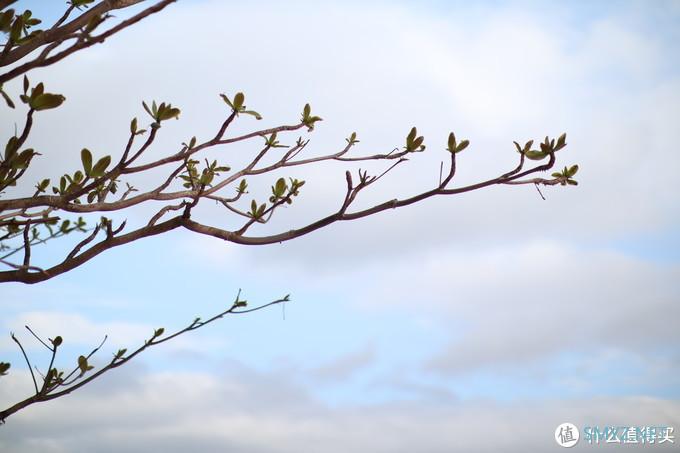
x=24, y=276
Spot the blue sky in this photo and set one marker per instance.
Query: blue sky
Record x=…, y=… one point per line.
x=495, y=308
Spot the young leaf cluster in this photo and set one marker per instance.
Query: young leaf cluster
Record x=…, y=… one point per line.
x=414, y=143
x=454, y=147
x=272, y=142
x=237, y=105
x=547, y=147
x=283, y=191
x=14, y=162
x=17, y=26
x=566, y=176
x=38, y=99
x=308, y=119
x=161, y=112
x=193, y=180
x=352, y=140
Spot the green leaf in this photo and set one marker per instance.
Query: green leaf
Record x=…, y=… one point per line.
x=572, y=171
x=464, y=144
x=46, y=101
x=57, y=341
x=413, y=142
x=226, y=99
x=253, y=113
x=519, y=148
x=22, y=160
x=6, y=97
x=64, y=226
x=120, y=353
x=148, y=110
x=239, y=99
x=411, y=136
x=43, y=185
x=206, y=178
x=158, y=332
x=15, y=30
x=6, y=20
x=4, y=367
x=51, y=375
x=11, y=147
x=352, y=139
x=133, y=126
x=167, y=112
x=307, y=119
x=535, y=155
x=100, y=167
x=83, y=365
x=279, y=188
x=86, y=159
x=452, y=143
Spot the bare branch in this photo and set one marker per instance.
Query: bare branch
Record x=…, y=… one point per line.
x=27, y=246
x=28, y=362
x=37, y=337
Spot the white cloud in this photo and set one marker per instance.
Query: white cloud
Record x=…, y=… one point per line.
x=343, y=368
x=76, y=328
x=82, y=334
x=243, y=412
x=518, y=304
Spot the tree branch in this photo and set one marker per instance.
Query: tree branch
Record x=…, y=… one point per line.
x=68, y=29
x=52, y=383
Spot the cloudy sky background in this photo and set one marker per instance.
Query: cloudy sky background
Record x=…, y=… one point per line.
x=473, y=323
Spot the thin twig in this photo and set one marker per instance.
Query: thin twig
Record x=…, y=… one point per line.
x=38, y=338
x=539, y=191
x=28, y=362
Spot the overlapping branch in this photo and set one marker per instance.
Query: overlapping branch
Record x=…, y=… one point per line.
x=92, y=189
x=70, y=37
